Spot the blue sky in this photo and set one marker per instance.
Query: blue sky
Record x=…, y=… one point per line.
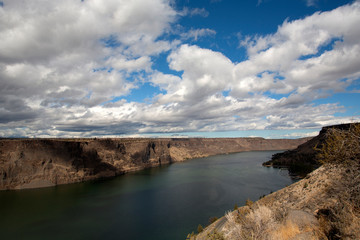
x=205, y=68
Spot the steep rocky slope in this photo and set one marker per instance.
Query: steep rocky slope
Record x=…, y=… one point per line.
x=323, y=205
x=317, y=207
x=31, y=163
x=303, y=160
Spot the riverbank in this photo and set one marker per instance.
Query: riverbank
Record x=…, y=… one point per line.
x=158, y=203
x=34, y=163
x=317, y=207
x=323, y=205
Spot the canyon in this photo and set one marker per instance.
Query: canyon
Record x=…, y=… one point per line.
x=35, y=163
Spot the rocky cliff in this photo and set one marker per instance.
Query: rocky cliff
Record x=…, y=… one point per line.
x=323, y=205
x=303, y=159
x=32, y=163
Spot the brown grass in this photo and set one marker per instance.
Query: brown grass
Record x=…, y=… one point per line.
x=286, y=231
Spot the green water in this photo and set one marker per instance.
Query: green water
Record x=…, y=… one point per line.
x=160, y=203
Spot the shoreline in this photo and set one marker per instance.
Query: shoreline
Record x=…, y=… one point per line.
x=32, y=163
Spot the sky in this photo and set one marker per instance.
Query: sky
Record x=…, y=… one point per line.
x=178, y=68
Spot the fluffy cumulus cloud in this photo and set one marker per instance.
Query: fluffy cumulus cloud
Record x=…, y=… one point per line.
x=304, y=60
x=59, y=60
x=294, y=52
x=65, y=66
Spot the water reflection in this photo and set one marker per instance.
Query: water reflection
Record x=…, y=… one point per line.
x=160, y=203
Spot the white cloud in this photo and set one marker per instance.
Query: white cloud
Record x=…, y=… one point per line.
x=198, y=33
x=310, y=3
x=300, y=134
x=130, y=65
x=68, y=53
x=287, y=62
x=293, y=51
x=61, y=67
x=205, y=72
x=194, y=12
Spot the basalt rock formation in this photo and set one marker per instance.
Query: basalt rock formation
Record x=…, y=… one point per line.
x=303, y=159
x=32, y=163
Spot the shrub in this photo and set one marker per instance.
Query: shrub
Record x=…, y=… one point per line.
x=286, y=231
x=255, y=225
x=236, y=207
x=191, y=236
x=262, y=196
x=200, y=228
x=213, y=219
x=215, y=236
x=249, y=203
x=341, y=146
x=235, y=231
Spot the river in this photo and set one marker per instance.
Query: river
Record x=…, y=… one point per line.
x=160, y=203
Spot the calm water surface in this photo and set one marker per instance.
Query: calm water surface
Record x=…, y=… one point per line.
x=160, y=203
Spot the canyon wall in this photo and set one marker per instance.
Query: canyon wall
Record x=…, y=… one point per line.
x=33, y=163
x=303, y=159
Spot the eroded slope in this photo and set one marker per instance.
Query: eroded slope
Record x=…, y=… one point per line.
x=31, y=163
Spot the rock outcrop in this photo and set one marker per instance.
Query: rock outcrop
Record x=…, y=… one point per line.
x=303, y=159
x=32, y=163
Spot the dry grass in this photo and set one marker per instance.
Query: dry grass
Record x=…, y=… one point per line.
x=325, y=205
x=287, y=231
x=341, y=146
x=261, y=222
x=341, y=219
x=257, y=223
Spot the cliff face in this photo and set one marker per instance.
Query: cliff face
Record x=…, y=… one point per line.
x=32, y=163
x=303, y=160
